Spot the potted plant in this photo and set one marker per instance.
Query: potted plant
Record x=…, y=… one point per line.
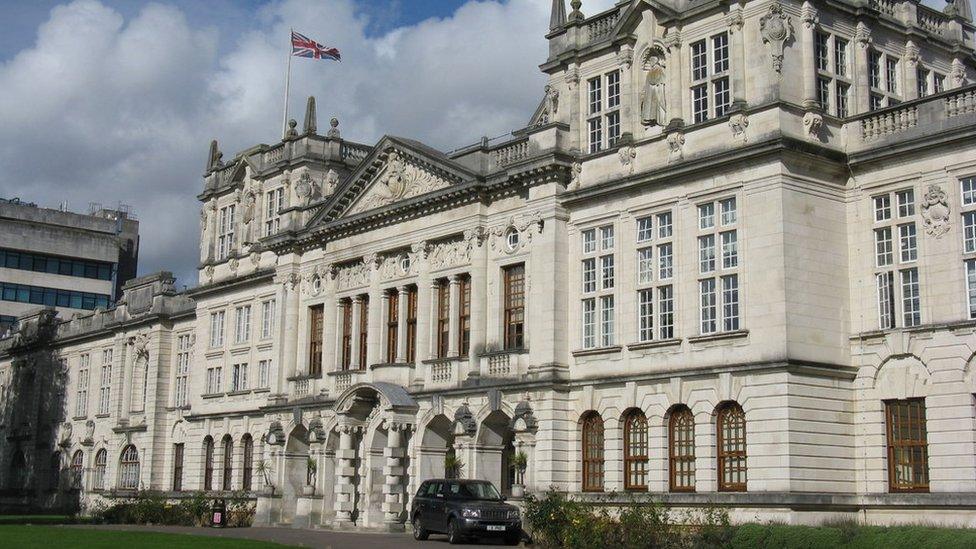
x=453, y=467
x=264, y=470
x=520, y=462
x=309, y=488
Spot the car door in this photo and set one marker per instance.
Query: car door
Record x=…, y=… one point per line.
x=421, y=502
x=438, y=507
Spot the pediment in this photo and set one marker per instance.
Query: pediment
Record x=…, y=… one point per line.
x=396, y=170
x=632, y=17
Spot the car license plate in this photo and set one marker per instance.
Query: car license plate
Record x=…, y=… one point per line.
x=496, y=528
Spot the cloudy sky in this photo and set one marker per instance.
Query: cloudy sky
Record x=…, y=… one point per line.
x=113, y=101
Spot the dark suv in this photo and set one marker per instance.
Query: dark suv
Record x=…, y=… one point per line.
x=463, y=508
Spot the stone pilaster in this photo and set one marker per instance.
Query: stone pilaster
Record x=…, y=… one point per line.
x=345, y=496
x=810, y=20
x=357, y=314
x=401, y=350
x=394, y=497
x=455, y=308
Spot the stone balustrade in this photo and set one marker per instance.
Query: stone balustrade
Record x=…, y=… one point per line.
x=600, y=27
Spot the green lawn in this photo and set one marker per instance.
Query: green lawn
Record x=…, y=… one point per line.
x=42, y=519
x=48, y=537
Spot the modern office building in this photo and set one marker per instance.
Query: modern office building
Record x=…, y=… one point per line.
x=731, y=259
x=55, y=258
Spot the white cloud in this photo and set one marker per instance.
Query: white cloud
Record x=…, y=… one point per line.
x=112, y=110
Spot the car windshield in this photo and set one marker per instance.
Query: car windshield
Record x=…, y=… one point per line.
x=474, y=490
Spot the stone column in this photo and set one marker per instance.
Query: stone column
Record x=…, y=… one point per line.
x=433, y=311
x=345, y=473
x=339, y=327
x=910, y=72
x=289, y=361
x=381, y=317
x=737, y=39
x=676, y=84
x=357, y=305
x=862, y=82
x=328, y=330
x=393, y=470
x=454, y=322
x=401, y=350
x=425, y=297
x=479, y=301
x=809, y=18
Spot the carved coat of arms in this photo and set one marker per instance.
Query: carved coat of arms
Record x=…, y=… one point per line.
x=935, y=211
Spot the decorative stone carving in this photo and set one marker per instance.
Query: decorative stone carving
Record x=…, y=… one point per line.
x=524, y=228
x=333, y=128
x=234, y=264
x=353, y=275
x=451, y=253
x=276, y=434
x=676, y=143
x=653, y=96
x=550, y=105
x=66, y=429
x=572, y=77
x=523, y=419
x=90, y=431
x=935, y=211
x=672, y=38
x=738, y=123
x=862, y=34
x=627, y=154
x=912, y=54
x=809, y=15
x=306, y=188
x=812, y=124
x=208, y=272
x=735, y=20
x=475, y=237
x=464, y=422
x=575, y=172
x=957, y=74
x=255, y=259
x=291, y=132
x=396, y=266
x=316, y=431
x=776, y=30
x=140, y=346
x=331, y=181
x=399, y=180
x=625, y=56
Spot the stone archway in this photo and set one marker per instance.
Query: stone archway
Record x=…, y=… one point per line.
x=436, y=446
x=494, y=450
x=373, y=423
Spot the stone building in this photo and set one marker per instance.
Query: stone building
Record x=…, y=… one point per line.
x=731, y=259
x=73, y=262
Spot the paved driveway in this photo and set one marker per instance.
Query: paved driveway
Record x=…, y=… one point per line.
x=301, y=538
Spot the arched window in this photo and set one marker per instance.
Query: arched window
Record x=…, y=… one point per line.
x=248, y=465
x=635, y=450
x=681, y=450
x=592, y=452
x=208, y=455
x=77, y=469
x=228, y=444
x=129, y=468
x=101, y=463
x=731, y=448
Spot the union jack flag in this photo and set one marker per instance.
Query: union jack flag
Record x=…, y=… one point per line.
x=303, y=46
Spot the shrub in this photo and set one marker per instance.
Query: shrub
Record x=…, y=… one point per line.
x=556, y=521
x=152, y=508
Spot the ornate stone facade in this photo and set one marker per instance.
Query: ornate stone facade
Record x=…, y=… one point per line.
x=760, y=275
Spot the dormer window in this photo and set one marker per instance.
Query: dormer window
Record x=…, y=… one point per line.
x=711, y=93
x=603, y=111
x=274, y=202
x=225, y=232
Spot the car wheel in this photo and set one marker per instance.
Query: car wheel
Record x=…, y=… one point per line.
x=419, y=533
x=453, y=533
x=513, y=539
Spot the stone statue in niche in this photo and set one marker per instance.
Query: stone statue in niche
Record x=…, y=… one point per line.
x=653, y=106
x=250, y=204
x=935, y=211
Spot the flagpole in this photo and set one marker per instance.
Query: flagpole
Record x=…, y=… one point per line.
x=284, y=117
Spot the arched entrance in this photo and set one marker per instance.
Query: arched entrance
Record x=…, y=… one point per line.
x=437, y=448
x=373, y=425
x=494, y=451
